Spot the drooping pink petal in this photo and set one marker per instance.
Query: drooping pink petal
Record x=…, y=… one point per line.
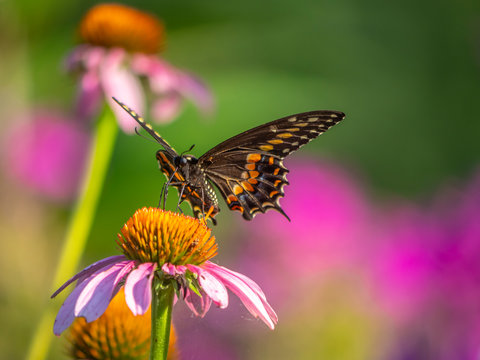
x=99, y=290
x=89, y=270
x=166, y=108
x=118, y=81
x=248, y=295
x=90, y=95
x=194, y=89
x=199, y=305
x=65, y=315
x=212, y=287
x=138, y=288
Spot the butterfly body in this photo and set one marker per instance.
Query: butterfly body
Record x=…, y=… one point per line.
x=247, y=169
x=191, y=182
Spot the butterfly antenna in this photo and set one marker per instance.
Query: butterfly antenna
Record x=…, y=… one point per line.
x=142, y=136
x=186, y=151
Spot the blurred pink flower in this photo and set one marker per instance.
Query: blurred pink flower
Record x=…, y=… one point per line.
x=120, y=46
x=47, y=153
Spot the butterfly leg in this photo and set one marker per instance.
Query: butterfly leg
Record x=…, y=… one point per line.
x=162, y=193
x=180, y=196
x=166, y=186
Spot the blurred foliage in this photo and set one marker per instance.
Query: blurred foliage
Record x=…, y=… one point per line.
x=407, y=74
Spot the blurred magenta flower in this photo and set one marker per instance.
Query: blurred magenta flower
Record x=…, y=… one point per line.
x=330, y=218
x=426, y=275
x=173, y=247
x=119, y=48
x=47, y=153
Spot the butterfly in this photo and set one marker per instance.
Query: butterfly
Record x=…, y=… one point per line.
x=247, y=168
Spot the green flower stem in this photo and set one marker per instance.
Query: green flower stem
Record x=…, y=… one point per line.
x=79, y=227
x=162, y=304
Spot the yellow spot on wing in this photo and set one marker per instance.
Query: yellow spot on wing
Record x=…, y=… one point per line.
x=284, y=135
x=275, y=141
x=265, y=147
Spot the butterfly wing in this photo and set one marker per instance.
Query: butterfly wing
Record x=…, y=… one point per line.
x=148, y=128
x=248, y=168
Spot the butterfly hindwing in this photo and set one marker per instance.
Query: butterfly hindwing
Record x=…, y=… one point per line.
x=249, y=182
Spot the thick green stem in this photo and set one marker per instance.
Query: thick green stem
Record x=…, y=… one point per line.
x=79, y=226
x=162, y=304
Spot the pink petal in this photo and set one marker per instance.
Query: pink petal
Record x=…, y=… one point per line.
x=169, y=269
x=89, y=270
x=95, y=297
x=247, y=294
x=212, y=287
x=117, y=80
x=66, y=314
x=194, y=89
x=198, y=304
x=90, y=95
x=167, y=108
x=138, y=288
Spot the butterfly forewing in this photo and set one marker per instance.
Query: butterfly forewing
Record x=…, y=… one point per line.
x=248, y=168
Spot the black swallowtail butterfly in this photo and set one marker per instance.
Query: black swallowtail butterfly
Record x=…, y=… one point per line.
x=247, y=169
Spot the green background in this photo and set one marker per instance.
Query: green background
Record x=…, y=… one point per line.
x=406, y=73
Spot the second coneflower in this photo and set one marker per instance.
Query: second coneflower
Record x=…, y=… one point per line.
x=119, y=46
x=116, y=335
x=164, y=254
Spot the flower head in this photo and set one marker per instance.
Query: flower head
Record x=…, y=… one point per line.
x=172, y=247
x=118, y=48
x=117, y=334
x=115, y=25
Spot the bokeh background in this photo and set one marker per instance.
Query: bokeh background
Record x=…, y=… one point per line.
x=380, y=260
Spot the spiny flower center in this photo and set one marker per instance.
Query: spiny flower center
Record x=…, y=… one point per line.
x=155, y=235
x=115, y=25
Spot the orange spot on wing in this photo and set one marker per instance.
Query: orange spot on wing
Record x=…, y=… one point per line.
x=277, y=182
x=253, y=181
x=247, y=186
x=271, y=160
x=237, y=207
x=273, y=193
x=254, y=174
x=276, y=171
x=237, y=189
x=231, y=198
x=253, y=158
x=250, y=166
